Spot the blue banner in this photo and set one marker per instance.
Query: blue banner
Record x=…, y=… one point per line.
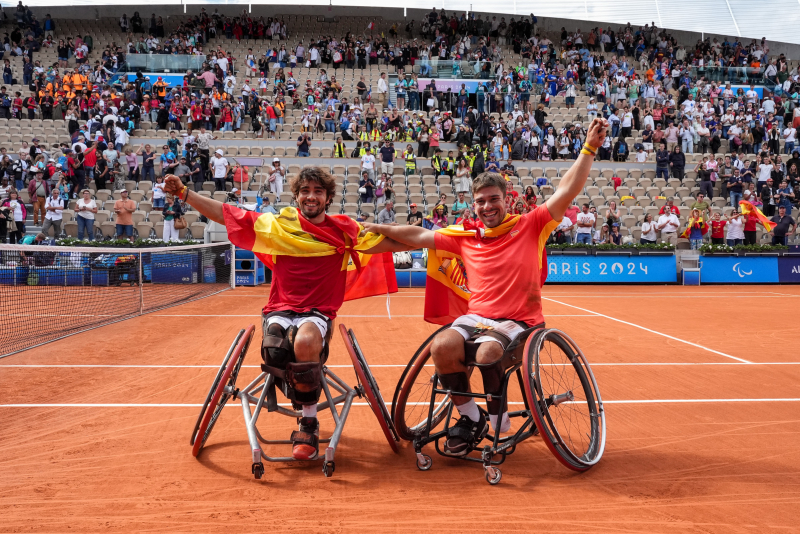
x=789, y=270
x=612, y=269
x=738, y=270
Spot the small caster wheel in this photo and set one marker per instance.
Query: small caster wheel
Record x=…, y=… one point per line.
x=258, y=470
x=328, y=468
x=424, y=462
x=493, y=475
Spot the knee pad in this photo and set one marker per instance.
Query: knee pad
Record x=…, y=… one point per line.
x=304, y=381
x=276, y=347
x=455, y=382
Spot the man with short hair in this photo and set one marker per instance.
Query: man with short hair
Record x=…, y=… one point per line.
x=387, y=158
x=702, y=204
x=459, y=206
x=124, y=209
x=219, y=169
x=668, y=225
x=383, y=91
x=784, y=226
x=308, y=287
x=585, y=222
x=54, y=207
x=387, y=214
x=503, y=257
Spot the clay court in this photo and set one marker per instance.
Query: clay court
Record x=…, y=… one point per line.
x=701, y=389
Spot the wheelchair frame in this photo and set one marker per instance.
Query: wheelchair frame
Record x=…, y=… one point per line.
x=505, y=446
x=253, y=398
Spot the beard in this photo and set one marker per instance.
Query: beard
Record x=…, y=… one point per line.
x=309, y=212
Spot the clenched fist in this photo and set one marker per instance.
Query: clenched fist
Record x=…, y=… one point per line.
x=173, y=185
x=597, y=132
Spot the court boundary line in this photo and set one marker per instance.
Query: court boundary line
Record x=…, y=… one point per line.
x=651, y=331
x=362, y=404
x=376, y=366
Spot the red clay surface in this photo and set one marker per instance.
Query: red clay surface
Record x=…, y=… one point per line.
x=727, y=464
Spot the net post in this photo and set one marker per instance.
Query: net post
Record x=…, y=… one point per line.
x=233, y=266
x=141, y=283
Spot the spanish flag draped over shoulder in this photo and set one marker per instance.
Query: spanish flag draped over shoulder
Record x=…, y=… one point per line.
x=291, y=234
x=692, y=223
x=747, y=208
x=446, y=288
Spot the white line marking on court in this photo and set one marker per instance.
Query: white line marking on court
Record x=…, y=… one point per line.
x=372, y=316
x=398, y=365
x=651, y=331
x=147, y=405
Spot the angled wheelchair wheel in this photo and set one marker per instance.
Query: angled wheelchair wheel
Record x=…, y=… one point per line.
x=369, y=386
x=222, y=389
x=412, y=397
x=564, y=399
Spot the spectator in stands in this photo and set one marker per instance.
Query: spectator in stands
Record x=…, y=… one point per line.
x=124, y=208
x=277, y=178
x=696, y=226
x=768, y=194
x=415, y=217
x=785, y=226
x=585, y=222
x=677, y=162
x=702, y=205
x=612, y=213
x=670, y=207
x=366, y=187
x=785, y=196
x=387, y=214
x=718, y=229
x=621, y=149
x=158, y=197
x=17, y=214
x=39, y=191
x=668, y=225
x=219, y=168
x=615, y=237
x=85, y=210
x=649, y=235
x=735, y=229
x=662, y=162
x=459, y=206
x=172, y=211
x=54, y=206
x=387, y=158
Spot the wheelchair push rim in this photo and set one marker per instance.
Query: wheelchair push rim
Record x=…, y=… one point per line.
x=369, y=386
x=217, y=395
x=564, y=399
x=416, y=396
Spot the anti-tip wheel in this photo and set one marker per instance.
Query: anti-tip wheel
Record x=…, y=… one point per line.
x=424, y=462
x=328, y=468
x=493, y=475
x=258, y=470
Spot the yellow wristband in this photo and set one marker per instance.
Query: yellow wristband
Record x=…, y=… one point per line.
x=588, y=153
x=590, y=147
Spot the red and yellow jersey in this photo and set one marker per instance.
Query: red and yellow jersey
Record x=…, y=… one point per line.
x=497, y=273
x=314, y=266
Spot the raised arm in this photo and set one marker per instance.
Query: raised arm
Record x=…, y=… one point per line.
x=574, y=180
x=209, y=207
x=412, y=236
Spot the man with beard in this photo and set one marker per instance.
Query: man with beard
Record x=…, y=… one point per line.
x=503, y=257
x=310, y=251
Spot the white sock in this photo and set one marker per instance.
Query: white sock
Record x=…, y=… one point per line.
x=310, y=411
x=470, y=409
x=505, y=425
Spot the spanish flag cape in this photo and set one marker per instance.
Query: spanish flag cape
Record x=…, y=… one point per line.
x=692, y=223
x=747, y=208
x=446, y=288
x=291, y=234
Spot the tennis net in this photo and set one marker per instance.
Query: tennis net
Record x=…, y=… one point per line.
x=47, y=293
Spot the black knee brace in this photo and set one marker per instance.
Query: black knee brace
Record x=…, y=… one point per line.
x=276, y=347
x=455, y=382
x=304, y=379
x=493, y=384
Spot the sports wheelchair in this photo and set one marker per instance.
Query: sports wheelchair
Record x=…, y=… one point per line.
x=559, y=392
x=260, y=394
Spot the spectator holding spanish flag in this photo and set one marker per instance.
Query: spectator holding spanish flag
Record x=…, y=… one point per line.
x=696, y=229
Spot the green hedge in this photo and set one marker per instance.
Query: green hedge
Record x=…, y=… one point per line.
x=709, y=248
x=610, y=246
x=122, y=243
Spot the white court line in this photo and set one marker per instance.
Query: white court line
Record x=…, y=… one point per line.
x=374, y=316
x=375, y=366
x=651, y=331
x=147, y=405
